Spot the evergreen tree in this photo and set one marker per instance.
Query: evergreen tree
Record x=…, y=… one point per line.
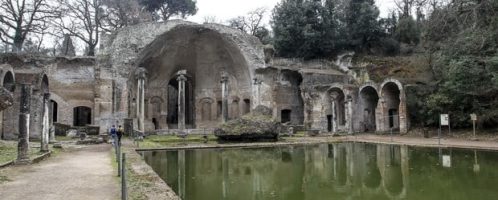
x=362, y=27
x=305, y=28
x=407, y=31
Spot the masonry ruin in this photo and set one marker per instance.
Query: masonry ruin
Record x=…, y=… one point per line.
x=156, y=77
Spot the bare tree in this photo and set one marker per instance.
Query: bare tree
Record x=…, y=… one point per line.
x=210, y=19
x=123, y=13
x=251, y=23
x=19, y=18
x=82, y=19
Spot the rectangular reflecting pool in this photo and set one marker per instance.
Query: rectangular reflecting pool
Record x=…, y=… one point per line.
x=328, y=171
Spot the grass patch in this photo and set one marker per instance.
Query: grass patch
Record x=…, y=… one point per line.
x=63, y=138
x=8, y=150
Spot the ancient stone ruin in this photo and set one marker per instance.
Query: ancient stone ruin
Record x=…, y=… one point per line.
x=156, y=77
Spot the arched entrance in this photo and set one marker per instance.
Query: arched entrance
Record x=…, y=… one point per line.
x=9, y=84
x=82, y=116
x=369, y=99
x=390, y=106
x=204, y=55
x=54, y=106
x=337, y=115
x=173, y=103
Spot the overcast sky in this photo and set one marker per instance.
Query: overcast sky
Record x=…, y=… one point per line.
x=227, y=9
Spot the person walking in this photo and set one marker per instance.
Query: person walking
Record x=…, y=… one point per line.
x=114, y=135
x=120, y=134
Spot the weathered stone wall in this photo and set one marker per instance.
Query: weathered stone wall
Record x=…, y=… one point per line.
x=133, y=47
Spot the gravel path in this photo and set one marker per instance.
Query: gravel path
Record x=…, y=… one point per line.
x=85, y=174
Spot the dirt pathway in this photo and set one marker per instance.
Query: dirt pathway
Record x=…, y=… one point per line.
x=85, y=174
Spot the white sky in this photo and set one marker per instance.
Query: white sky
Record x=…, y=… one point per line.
x=227, y=9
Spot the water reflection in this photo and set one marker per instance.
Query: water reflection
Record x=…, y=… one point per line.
x=327, y=171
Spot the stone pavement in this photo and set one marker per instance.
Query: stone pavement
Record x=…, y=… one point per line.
x=85, y=174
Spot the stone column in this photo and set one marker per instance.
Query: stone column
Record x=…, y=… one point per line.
x=257, y=83
x=182, y=79
x=45, y=124
x=224, y=96
x=333, y=98
x=140, y=74
x=403, y=116
x=334, y=118
x=381, y=116
x=23, y=140
x=350, y=114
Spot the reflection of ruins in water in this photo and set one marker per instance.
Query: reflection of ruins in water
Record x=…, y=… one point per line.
x=345, y=170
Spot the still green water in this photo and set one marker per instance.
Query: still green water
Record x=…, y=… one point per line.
x=329, y=171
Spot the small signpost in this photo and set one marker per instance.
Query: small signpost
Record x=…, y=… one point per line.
x=473, y=117
x=444, y=120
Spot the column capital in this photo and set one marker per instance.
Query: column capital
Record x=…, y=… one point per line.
x=181, y=78
x=141, y=73
x=46, y=96
x=224, y=77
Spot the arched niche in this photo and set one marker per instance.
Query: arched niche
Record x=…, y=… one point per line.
x=369, y=99
x=204, y=54
x=392, y=105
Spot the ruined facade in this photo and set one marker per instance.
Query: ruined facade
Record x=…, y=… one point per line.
x=182, y=75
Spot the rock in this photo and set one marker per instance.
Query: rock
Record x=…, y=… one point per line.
x=262, y=110
x=57, y=145
x=249, y=127
x=72, y=133
x=6, y=99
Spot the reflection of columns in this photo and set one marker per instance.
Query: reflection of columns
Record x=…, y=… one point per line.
x=23, y=138
x=224, y=96
x=140, y=100
x=181, y=99
x=181, y=174
x=45, y=124
x=405, y=168
x=350, y=114
x=226, y=181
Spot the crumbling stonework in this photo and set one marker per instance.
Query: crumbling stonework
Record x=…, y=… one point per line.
x=147, y=74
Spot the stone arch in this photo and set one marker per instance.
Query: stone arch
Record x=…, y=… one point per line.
x=63, y=111
x=368, y=101
x=173, y=101
x=44, y=85
x=391, y=108
x=204, y=53
x=336, y=119
x=8, y=82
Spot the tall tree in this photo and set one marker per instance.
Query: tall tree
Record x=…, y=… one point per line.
x=83, y=20
x=165, y=9
x=305, y=28
x=362, y=27
x=19, y=18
